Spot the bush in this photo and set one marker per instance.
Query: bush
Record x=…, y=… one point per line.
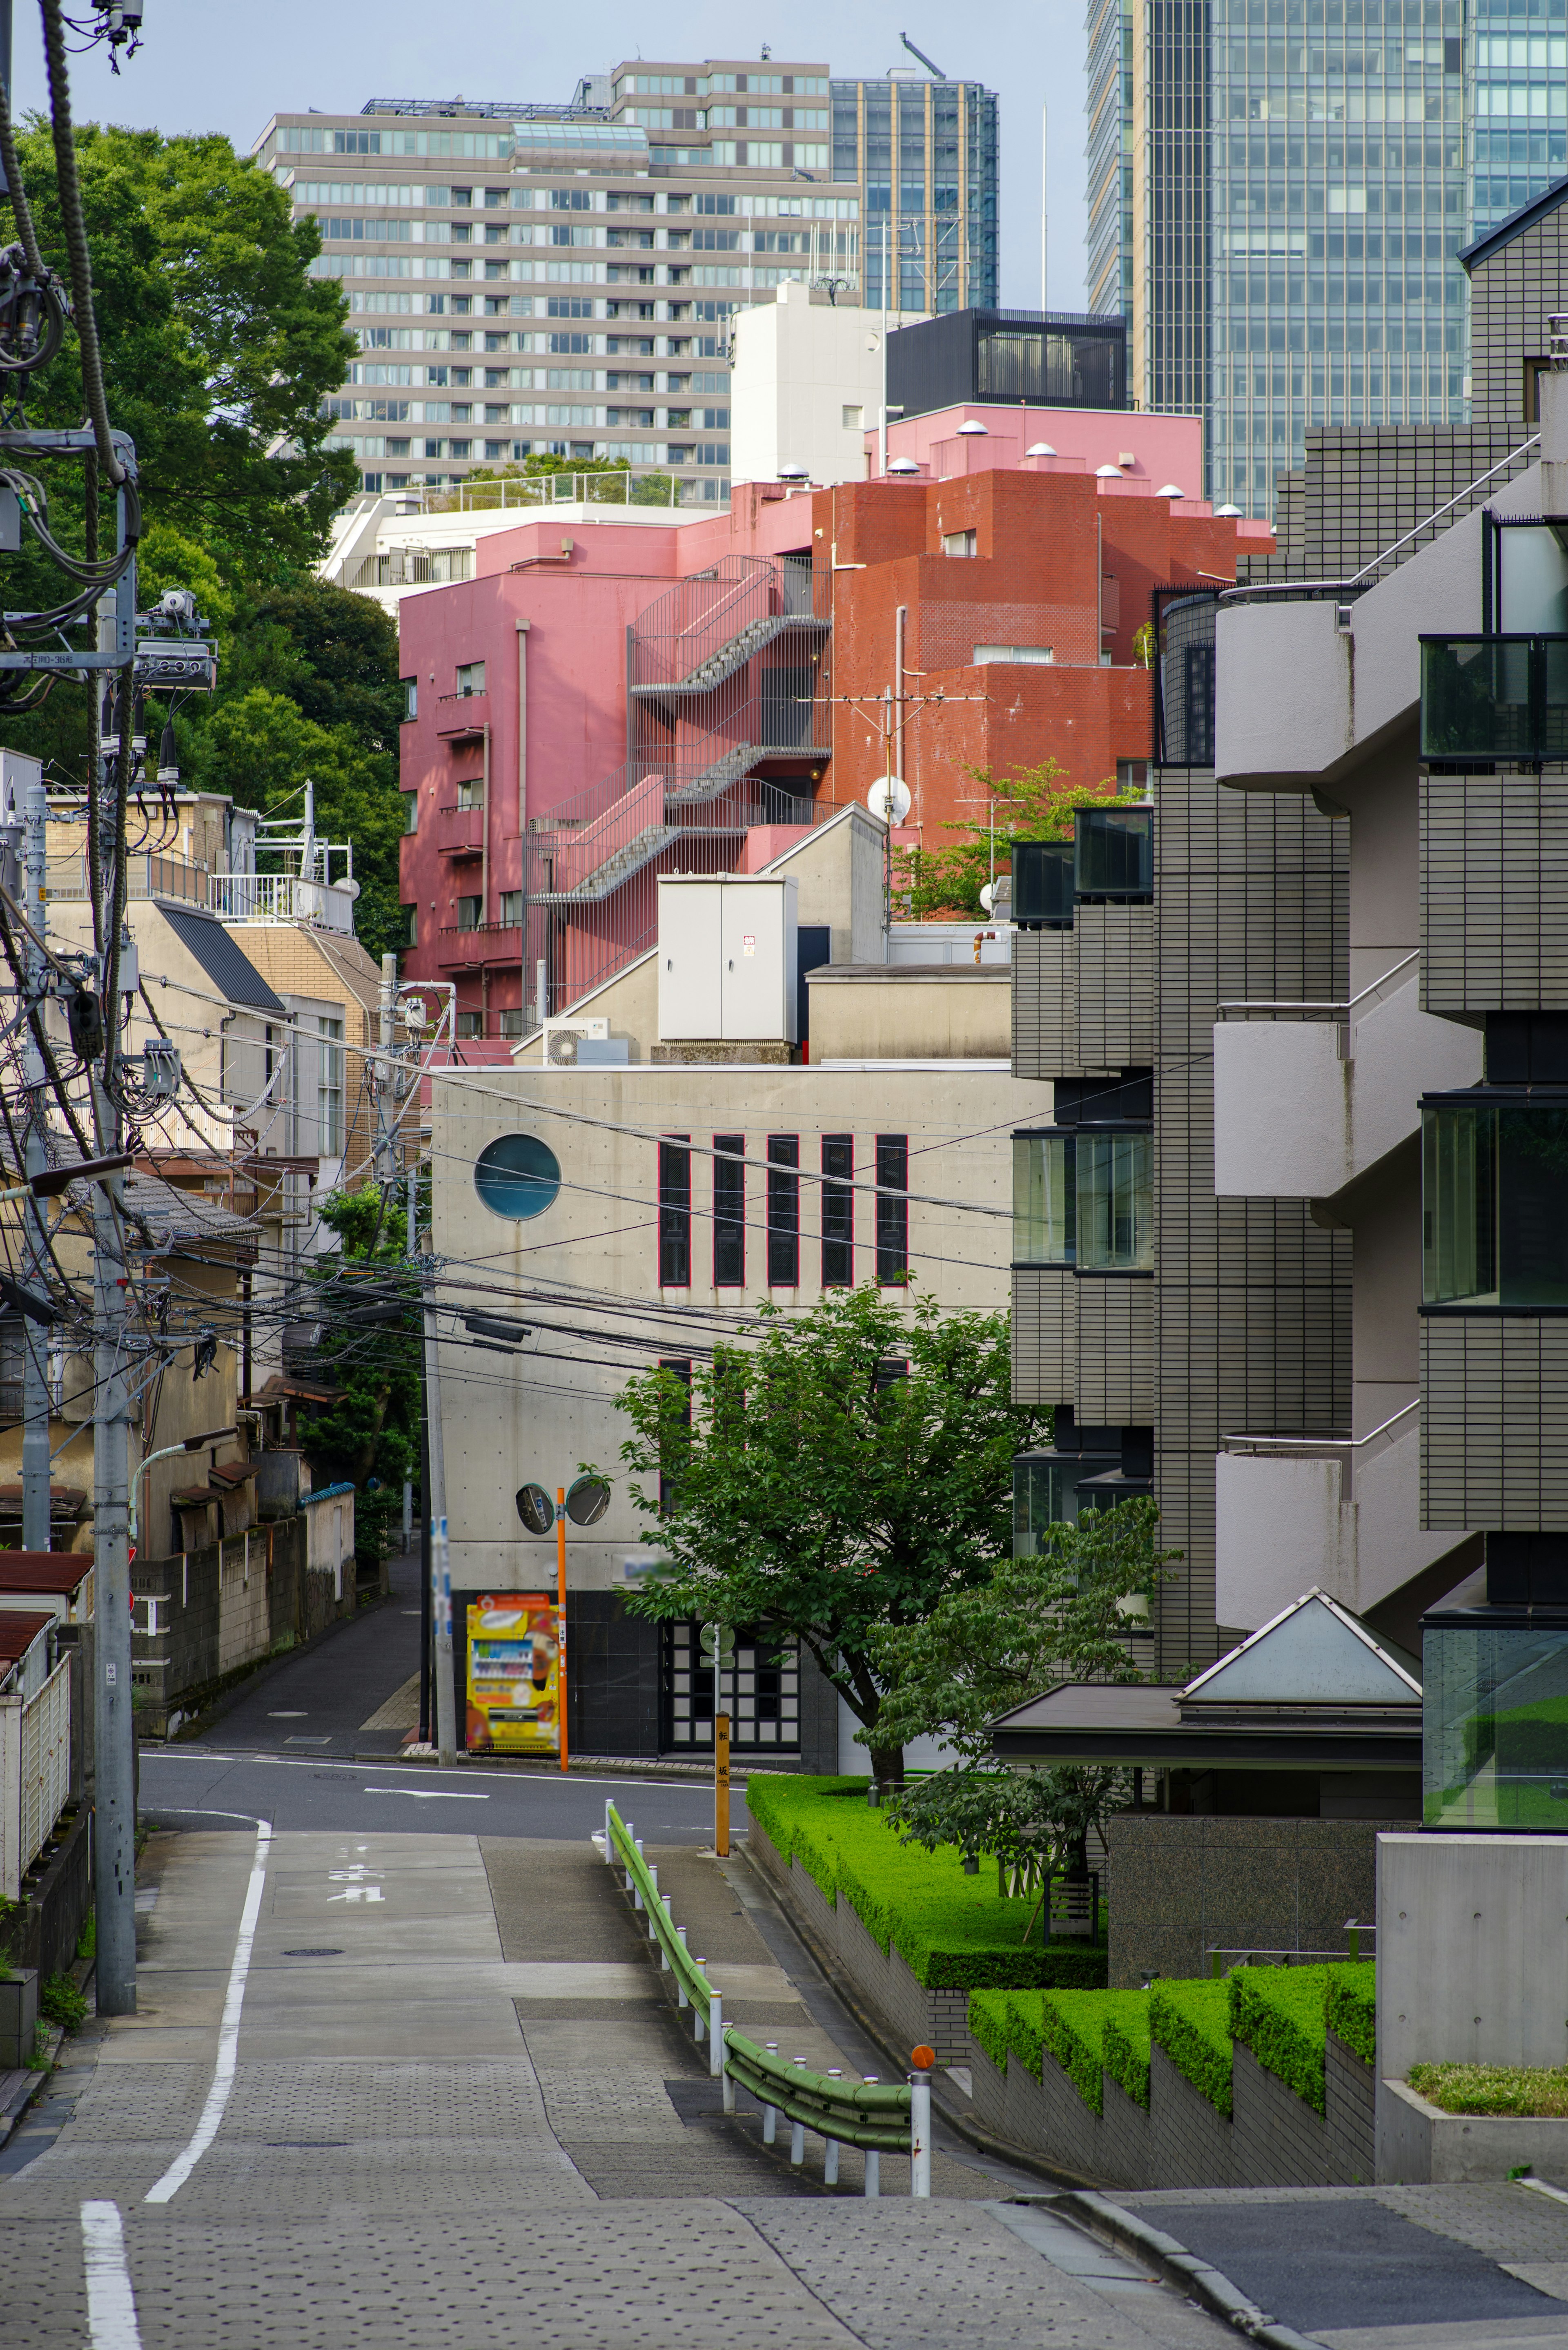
x=1127, y=2044
x=61, y=2002
x=1352, y=2007
x=953, y=1931
x=1280, y=2013
x=987, y=2021
x=1191, y=2022
x=1078, y=2029
x=1492, y=2088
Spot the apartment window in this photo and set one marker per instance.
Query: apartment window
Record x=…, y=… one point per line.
x=1494, y=1226
x=854, y=418
x=960, y=542
x=470, y=1023
x=468, y=913
x=509, y=1024
x=674, y=1214
x=838, y=1211
x=329, y=1089
x=470, y=674
x=512, y=908
x=730, y=1212
x=411, y=686
x=1085, y=1200
x=1036, y=655
x=892, y=1210
x=413, y=926
x=673, y=1444
x=471, y=791
x=784, y=1212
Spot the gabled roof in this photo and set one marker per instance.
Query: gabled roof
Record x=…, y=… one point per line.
x=1313, y=1651
x=230, y=971
x=1514, y=226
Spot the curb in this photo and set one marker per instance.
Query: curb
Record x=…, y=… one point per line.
x=1206, y=2285
x=592, y=1766
x=16, y=2111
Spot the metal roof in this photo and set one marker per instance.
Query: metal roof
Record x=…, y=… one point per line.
x=231, y=969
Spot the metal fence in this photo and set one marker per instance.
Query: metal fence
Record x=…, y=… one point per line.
x=411, y=566
x=280, y=898
x=628, y=486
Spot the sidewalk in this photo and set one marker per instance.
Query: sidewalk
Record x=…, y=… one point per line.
x=464, y=2114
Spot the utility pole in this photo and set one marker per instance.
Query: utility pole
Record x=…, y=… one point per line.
x=440, y=1570
x=386, y=1142
x=35, y=1358
x=114, y=1820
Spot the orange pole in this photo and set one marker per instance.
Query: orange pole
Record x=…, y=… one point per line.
x=561, y=1616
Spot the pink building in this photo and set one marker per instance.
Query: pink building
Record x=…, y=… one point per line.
x=608, y=699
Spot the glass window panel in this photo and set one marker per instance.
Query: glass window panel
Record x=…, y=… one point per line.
x=1115, y=1202
x=1495, y=1727
x=1458, y=1182
x=1532, y=1207
x=1045, y=1211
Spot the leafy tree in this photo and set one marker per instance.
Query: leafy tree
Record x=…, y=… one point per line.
x=1061, y=1614
x=370, y=1435
x=843, y=1475
x=1031, y=803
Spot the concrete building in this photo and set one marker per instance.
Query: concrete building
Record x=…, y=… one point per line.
x=907, y=1092
x=625, y=230
x=807, y=385
x=636, y=695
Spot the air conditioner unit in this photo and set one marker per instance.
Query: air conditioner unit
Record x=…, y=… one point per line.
x=561, y=1039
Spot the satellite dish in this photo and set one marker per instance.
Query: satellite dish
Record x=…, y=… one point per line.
x=888, y=799
x=350, y=888
x=586, y=1501
x=987, y=896
x=536, y=1509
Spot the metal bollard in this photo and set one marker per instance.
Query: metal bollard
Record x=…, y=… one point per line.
x=715, y=2035
x=770, y=2113
x=653, y=1879
x=609, y=1847
x=632, y=1885
x=830, y=2144
x=681, y=1998
x=699, y=2021
x=663, y=1947
x=920, y=2133
x=798, y=2130
x=873, y=2157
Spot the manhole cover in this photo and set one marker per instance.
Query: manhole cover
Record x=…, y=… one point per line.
x=312, y=1954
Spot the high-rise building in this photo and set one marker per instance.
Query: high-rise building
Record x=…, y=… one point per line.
x=621, y=232
x=1519, y=136
x=1293, y=196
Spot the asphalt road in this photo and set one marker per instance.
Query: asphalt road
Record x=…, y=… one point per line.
x=196, y=1786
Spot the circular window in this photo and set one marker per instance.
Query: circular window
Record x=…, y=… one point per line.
x=519, y=1176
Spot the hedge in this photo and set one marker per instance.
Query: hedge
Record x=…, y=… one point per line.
x=1280, y=2013
x=1352, y=2007
x=1191, y=2022
x=954, y=1932
x=1127, y=2044
x=987, y=2024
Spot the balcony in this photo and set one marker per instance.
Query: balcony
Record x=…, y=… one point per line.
x=490, y=944
x=459, y=831
x=1307, y=1097
x=1342, y=1512
x=458, y=714
x=1498, y=698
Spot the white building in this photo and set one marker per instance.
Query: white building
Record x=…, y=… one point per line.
x=807, y=386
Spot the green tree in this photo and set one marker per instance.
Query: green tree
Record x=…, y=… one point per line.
x=484, y=486
x=1062, y=1615
x=1029, y=803
x=370, y=1434
x=842, y=1476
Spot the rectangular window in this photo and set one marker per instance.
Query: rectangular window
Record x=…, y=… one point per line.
x=959, y=541
x=784, y=1212
x=329, y=1089
x=674, y=1214
x=468, y=913
x=673, y=1445
x=1085, y=1199
x=512, y=908
x=470, y=1023
x=1039, y=655
x=892, y=1210
x=838, y=1211
x=854, y=418
x=411, y=686
x=410, y=811
x=730, y=1213
x=471, y=675
x=1494, y=1229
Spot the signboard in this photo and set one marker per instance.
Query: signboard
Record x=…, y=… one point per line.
x=513, y=1673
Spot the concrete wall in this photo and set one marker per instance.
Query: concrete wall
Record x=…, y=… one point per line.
x=1472, y=1959
x=799, y=364
x=200, y=1615
x=888, y=1012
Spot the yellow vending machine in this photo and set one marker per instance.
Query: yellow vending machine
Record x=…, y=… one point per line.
x=514, y=1674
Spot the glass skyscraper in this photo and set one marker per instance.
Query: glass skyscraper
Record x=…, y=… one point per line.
x=1298, y=193
x=1519, y=137
x=924, y=156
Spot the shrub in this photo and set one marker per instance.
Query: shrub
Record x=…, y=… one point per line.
x=61, y=2002
x=1492, y=2088
x=1191, y=2022
x=987, y=2020
x=953, y=1931
x=1352, y=2007
x=1127, y=2044
x=1280, y=2013
x=1077, y=2030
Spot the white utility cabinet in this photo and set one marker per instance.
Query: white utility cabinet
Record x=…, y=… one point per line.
x=727, y=958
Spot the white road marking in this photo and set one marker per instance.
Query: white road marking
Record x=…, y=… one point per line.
x=111, y=2305
x=206, y=2129
x=290, y=1713
x=428, y=1795
x=263, y=1758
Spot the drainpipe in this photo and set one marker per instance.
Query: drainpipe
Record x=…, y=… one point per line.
x=900, y=624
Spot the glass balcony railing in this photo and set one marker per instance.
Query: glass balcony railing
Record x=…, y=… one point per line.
x=1495, y=1720
x=1043, y=884
x=1503, y=697
x=1112, y=853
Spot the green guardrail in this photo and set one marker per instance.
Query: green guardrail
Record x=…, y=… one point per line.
x=877, y=2116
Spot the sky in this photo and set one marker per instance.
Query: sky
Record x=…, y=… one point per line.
x=216, y=65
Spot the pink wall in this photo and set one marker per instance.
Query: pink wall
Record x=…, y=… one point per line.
x=1165, y=448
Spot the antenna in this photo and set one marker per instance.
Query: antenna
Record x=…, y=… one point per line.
x=921, y=54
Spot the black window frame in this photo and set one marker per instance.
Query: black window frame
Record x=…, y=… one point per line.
x=892, y=1210
x=680, y=1367
x=784, y=1212
x=675, y=1211
x=838, y=1211
x=730, y=1212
